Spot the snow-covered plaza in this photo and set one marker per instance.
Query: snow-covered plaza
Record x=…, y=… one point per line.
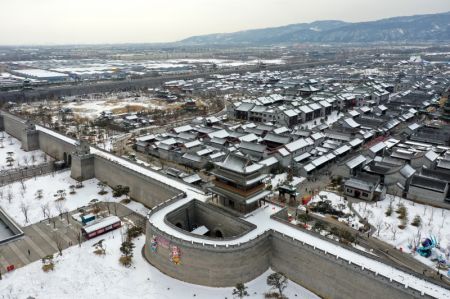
x=80, y=273
x=41, y=191
x=13, y=156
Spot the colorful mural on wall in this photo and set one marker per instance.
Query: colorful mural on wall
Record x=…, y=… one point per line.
x=175, y=254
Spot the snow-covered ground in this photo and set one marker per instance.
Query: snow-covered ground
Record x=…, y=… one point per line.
x=92, y=108
x=79, y=273
x=50, y=184
x=340, y=204
x=435, y=222
x=21, y=158
x=280, y=179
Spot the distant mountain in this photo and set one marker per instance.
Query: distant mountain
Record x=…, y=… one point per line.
x=419, y=28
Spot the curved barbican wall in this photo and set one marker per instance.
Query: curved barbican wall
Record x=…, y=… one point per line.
x=202, y=264
x=196, y=213
x=326, y=275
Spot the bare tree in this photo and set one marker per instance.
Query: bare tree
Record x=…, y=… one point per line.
x=66, y=212
x=9, y=196
x=23, y=185
x=26, y=160
x=57, y=238
x=394, y=231
x=379, y=225
x=25, y=208
x=431, y=216
x=59, y=205
x=45, y=208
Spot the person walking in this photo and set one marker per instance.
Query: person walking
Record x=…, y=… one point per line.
x=29, y=252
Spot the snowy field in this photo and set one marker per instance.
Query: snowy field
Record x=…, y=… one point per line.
x=92, y=108
x=21, y=158
x=435, y=222
x=50, y=184
x=79, y=273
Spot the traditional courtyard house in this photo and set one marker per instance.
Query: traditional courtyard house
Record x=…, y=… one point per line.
x=426, y=159
x=351, y=167
x=380, y=109
x=275, y=141
x=366, y=187
x=377, y=150
x=429, y=186
x=238, y=184
x=327, y=108
x=317, y=110
x=444, y=163
x=254, y=150
x=306, y=113
x=242, y=112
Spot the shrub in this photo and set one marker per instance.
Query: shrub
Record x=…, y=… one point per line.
x=346, y=235
x=304, y=218
x=48, y=264
x=125, y=260
x=48, y=267
x=402, y=212
x=334, y=230
x=134, y=232
x=99, y=251
x=319, y=226
x=120, y=190
x=417, y=221
x=389, y=211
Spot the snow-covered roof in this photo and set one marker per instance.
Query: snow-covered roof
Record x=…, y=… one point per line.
x=38, y=73
x=342, y=150
x=309, y=167
x=431, y=155
x=283, y=152
x=305, y=109
x=407, y=171
x=100, y=223
x=377, y=147
x=351, y=123
x=240, y=164
x=356, y=161
x=219, y=134
x=355, y=142
x=182, y=129
x=298, y=144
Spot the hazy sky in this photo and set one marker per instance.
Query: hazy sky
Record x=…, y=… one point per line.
x=120, y=21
